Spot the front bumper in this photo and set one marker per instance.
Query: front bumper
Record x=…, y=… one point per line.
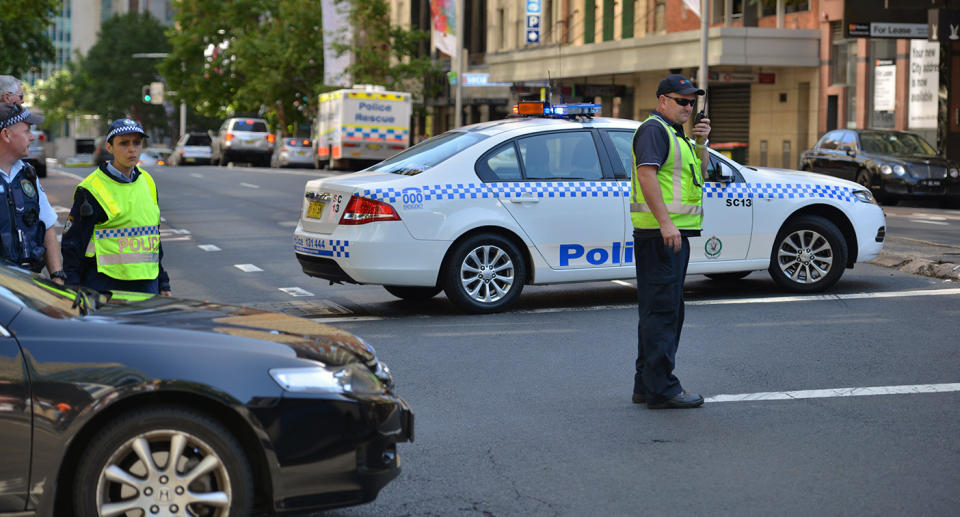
x=334, y=453
x=923, y=189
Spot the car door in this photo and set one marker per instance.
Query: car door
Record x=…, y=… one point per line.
x=826, y=151
x=569, y=207
x=846, y=165
x=728, y=207
x=15, y=427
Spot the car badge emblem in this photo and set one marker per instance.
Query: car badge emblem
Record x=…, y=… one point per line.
x=325, y=197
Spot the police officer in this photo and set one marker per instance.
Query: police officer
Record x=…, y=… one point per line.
x=26, y=223
x=111, y=240
x=11, y=90
x=666, y=210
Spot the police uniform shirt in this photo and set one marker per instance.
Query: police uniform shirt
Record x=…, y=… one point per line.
x=84, y=216
x=47, y=215
x=651, y=146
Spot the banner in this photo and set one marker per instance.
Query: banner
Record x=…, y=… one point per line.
x=443, y=33
x=923, y=102
x=336, y=27
x=693, y=5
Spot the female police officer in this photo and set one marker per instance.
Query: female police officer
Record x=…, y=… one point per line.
x=112, y=238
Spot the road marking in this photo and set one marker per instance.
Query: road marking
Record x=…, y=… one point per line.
x=196, y=175
x=61, y=209
x=498, y=332
x=836, y=392
x=249, y=185
x=621, y=282
x=928, y=222
x=288, y=224
x=247, y=268
x=295, y=291
x=67, y=174
x=928, y=216
x=208, y=247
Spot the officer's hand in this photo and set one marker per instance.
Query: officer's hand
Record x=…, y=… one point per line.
x=166, y=293
x=702, y=128
x=671, y=237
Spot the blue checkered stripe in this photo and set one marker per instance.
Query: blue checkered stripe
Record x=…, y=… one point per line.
x=321, y=247
x=777, y=191
x=134, y=231
x=390, y=135
x=541, y=189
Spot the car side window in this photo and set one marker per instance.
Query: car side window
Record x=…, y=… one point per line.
x=849, y=139
x=717, y=167
x=500, y=165
x=623, y=143
x=831, y=140
x=569, y=155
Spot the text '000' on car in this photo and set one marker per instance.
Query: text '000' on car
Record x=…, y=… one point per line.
x=481, y=211
x=132, y=404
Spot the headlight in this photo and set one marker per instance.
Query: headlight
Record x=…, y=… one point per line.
x=864, y=196
x=953, y=172
x=886, y=169
x=899, y=170
x=352, y=378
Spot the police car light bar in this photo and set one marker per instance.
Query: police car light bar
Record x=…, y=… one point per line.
x=543, y=109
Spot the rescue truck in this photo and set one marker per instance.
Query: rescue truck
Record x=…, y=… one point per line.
x=365, y=122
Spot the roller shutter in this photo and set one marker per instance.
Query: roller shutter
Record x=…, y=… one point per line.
x=729, y=107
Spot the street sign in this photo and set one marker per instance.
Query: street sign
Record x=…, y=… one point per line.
x=533, y=21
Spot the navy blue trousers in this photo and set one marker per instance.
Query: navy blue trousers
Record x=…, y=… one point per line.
x=660, y=273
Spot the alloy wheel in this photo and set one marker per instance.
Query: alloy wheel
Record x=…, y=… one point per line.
x=487, y=273
x=805, y=256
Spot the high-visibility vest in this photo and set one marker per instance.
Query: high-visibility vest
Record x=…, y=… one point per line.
x=680, y=184
x=127, y=244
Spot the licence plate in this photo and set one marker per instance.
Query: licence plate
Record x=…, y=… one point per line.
x=931, y=183
x=301, y=153
x=250, y=142
x=315, y=210
x=373, y=146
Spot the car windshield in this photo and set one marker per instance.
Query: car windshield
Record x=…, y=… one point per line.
x=428, y=153
x=250, y=125
x=878, y=142
x=198, y=140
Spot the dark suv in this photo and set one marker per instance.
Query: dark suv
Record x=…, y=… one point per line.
x=892, y=164
x=243, y=139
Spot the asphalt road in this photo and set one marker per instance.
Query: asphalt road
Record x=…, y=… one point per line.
x=528, y=413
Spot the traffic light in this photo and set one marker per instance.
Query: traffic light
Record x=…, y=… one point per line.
x=156, y=92
x=145, y=93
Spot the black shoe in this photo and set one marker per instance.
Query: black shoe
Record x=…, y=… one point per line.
x=638, y=398
x=683, y=400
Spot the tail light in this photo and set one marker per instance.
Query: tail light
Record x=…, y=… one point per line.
x=181, y=153
x=42, y=137
x=228, y=137
x=271, y=138
x=306, y=143
x=398, y=146
x=361, y=210
x=349, y=144
x=292, y=142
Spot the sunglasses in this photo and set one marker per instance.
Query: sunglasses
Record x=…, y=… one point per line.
x=682, y=102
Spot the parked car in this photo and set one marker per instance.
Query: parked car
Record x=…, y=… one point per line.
x=38, y=153
x=483, y=210
x=292, y=152
x=894, y=165
x=100, y=153
x=151, y=157
x=192, y=149
x=132, y=404
x=243, y=140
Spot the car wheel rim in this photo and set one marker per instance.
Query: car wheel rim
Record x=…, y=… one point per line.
x=805, y=257
x=487, y=274
x=164, y=472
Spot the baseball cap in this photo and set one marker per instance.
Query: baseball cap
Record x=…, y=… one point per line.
x=122, y=126
x=11, y=114
x=676, y=83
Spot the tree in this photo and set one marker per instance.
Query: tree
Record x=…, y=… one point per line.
x=23, y=34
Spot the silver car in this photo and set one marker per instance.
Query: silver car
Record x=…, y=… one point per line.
x=243, y=139
x=192, y=149
x=38, y=153
x=292, y=152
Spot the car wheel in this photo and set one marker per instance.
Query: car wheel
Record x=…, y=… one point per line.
x=809, y=255
x=484, y=273
x=863, y=178
x=728, y=276
x=167, y=460
x=412, y=293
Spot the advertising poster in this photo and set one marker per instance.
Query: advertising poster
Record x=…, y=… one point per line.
x=923, y=100
x=443, y=33
x=884, y=85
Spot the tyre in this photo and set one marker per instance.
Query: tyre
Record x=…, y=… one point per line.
x=406, y=292
x=863, y=178
x=484, y=273
x=728, y=276
x=809, y=255
x=166, y=460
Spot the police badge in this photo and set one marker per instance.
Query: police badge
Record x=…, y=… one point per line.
x=27, y=187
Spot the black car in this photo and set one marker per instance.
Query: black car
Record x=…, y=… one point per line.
x=892, y=164
x=129, y=404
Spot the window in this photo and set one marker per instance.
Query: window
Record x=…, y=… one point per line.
x=560, y=156
x=849, y=139
x=608, y=20
x=623, y=144
x=428, y=153
x=501, y=165
x=659, y=15
x=589, y=21
x=629, y=7
x=256, y=126
x=198, y=140
x=718, y=167
x=830, y=140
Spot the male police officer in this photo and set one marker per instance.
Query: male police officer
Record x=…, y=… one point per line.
x=665, y=207
x=112, y=238
x=11, y=90
x=26, y=225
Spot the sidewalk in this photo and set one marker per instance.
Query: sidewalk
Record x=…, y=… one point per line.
x=920, y=258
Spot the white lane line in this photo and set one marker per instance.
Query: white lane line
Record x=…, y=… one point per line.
x=249, y=185
x=196, y=175
x=61, y=209
x=928, y=216
x=621, y=282
x=208, y=247
x=837, y=392
x=928, y=222
x=67, y=174
x=247, y=268
x=295, y=291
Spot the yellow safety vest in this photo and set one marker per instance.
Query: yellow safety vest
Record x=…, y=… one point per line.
x=127, y=244
x=680, y=184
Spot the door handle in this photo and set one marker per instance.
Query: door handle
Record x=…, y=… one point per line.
x=525, y=199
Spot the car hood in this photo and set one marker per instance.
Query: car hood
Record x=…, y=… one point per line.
x=920, y=166
x=788, y=175
x=309, y=339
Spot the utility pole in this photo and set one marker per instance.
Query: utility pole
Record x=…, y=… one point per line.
x=458, y=60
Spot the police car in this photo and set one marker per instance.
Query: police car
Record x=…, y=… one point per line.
x=481, y=211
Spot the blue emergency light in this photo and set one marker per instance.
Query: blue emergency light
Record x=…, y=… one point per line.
x=544, y=109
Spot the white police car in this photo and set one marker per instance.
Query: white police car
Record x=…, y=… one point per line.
x=481, y=211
